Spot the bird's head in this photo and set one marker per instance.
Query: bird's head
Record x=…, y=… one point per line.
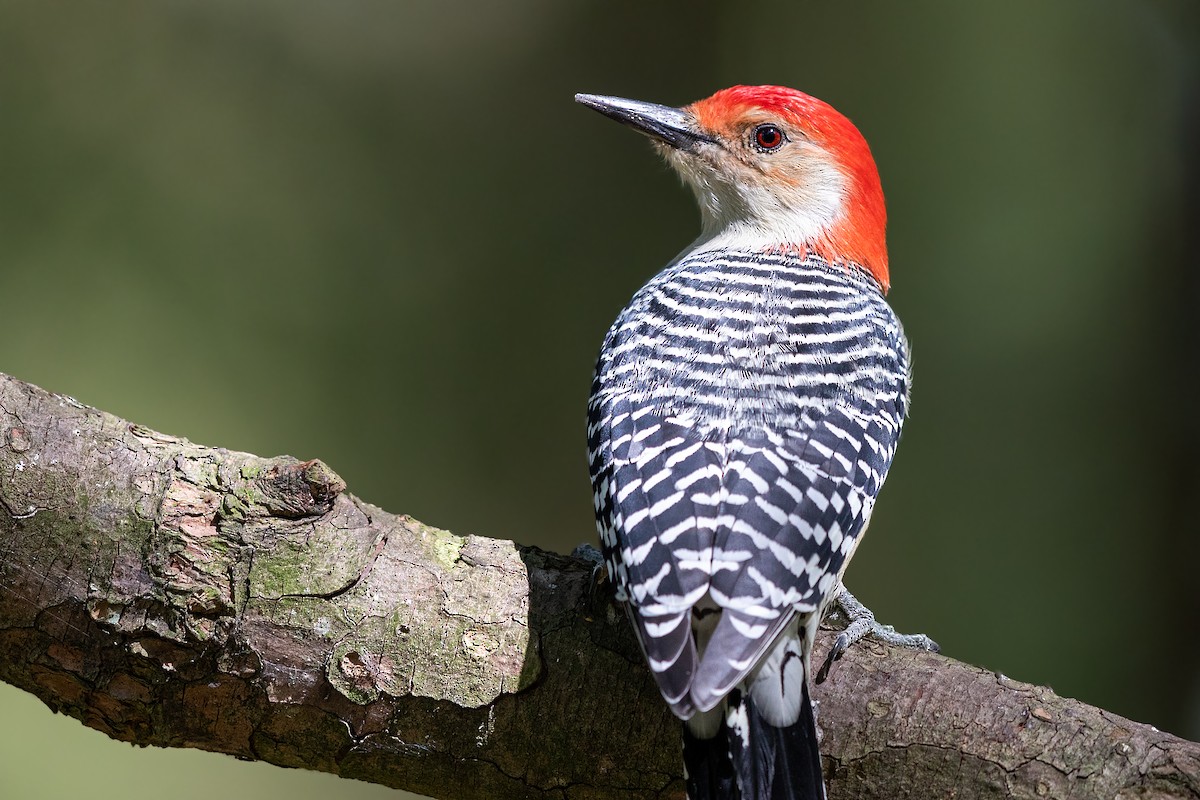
x=773, y=170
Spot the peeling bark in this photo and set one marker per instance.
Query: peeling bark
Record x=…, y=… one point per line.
x=171, y=594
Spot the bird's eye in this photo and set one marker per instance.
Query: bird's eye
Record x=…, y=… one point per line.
x=768, y=138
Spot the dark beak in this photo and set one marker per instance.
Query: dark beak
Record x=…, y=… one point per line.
x=674, y=126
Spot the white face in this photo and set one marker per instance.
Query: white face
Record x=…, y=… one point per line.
x=753, y=197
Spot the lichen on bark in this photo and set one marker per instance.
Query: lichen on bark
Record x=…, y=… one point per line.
x=178, y=595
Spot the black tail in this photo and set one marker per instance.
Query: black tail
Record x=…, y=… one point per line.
x=749, y=759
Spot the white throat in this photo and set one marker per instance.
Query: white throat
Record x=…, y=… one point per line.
x=756, y=213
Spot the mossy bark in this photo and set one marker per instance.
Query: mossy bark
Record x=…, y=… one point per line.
x=185, y=596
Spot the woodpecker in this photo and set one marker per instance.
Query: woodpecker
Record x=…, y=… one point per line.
x=745, y=410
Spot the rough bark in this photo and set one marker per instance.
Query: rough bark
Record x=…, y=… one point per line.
x=185, y=596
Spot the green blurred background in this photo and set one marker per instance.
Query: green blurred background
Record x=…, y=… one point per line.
x=381, y=234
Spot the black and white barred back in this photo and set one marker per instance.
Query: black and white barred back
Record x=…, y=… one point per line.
x=744, y=413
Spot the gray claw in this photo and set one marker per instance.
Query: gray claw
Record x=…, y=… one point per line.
x=588, y=553
x=862, y=623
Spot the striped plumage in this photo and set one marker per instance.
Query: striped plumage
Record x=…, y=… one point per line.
x=743, y=415
x=745, y=410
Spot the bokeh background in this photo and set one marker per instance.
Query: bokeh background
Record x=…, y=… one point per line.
x=381, y=234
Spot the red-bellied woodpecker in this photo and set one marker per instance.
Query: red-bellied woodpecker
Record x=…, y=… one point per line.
x=745, y=410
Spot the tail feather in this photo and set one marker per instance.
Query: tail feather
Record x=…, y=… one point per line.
x=750, y=759
x=707, y=767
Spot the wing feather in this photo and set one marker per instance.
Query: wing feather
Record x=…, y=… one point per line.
x=808, y=509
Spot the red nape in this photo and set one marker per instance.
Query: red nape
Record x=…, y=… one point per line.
x=860, y=235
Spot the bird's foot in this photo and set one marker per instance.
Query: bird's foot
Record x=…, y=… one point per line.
x=599, y=573
x=588, y=553
x=861, y=623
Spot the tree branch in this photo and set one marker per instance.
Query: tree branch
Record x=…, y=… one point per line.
x=185, y=596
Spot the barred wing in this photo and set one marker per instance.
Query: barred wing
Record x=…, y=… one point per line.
x=657, y=498
x=795, y=506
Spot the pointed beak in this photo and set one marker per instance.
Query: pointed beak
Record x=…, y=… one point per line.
x=673, y=126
